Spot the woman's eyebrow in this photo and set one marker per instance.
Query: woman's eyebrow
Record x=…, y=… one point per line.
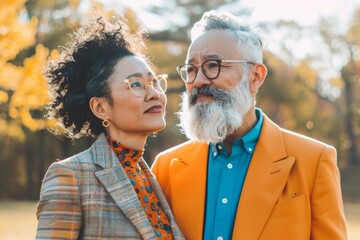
x=140, y=75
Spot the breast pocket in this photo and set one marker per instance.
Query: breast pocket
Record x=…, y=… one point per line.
x=289, y=220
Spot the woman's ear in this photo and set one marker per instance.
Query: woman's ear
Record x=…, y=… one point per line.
x=99, y=107
x=258, y=77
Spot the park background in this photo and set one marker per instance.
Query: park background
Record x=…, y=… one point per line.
x=312, y=86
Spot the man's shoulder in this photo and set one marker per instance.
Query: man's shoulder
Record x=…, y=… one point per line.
x=292, y=137
x=297, y=144
x=181, y=148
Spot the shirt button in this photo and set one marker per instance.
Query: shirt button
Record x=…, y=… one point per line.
x=229, y=166
x=224, y=200
x=219, y=147
x=250, y=149
x=215, y=154
x=220, y=238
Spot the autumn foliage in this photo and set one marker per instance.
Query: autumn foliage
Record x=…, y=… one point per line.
x=22, y=87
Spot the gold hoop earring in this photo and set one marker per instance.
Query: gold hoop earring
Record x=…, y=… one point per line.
x=154, y=135
x=105, y=123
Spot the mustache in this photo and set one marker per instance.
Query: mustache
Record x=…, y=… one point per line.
x=217, y=93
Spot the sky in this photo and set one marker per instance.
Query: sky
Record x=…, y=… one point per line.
x=305, y=12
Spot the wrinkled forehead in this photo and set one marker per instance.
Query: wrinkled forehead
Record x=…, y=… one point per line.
x=214, y=44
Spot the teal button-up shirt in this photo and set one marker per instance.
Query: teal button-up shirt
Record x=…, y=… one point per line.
x=225, y=179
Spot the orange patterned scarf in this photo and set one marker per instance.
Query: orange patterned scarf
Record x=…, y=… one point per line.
x=129, y=159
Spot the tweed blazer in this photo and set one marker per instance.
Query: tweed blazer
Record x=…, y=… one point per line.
x=291, y=190
x=89, y=196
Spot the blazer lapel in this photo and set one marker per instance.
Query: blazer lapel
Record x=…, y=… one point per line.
x=116, y=182
x=188, y=186
x=265, y=180
x=162, y=200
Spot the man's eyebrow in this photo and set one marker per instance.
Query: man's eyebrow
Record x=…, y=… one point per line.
x=206, y=57
x=211, y=56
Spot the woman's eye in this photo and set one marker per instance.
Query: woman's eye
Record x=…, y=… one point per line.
x=136, y=84
x=155, y=82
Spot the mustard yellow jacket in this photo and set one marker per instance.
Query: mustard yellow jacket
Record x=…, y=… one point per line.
x=291, y=191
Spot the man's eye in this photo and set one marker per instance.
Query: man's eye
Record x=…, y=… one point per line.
x=191, y=69
x=211, y=65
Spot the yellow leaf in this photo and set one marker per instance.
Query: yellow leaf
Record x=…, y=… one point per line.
x=3, y=97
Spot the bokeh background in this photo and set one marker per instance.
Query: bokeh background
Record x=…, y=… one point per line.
x=313, y=83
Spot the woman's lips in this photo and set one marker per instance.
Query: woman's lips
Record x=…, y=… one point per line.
x=154, y=109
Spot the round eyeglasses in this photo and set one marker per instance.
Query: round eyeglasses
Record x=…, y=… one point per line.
x=210, y=68
x=139, y=86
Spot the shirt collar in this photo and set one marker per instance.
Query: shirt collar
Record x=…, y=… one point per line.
x=248, y=141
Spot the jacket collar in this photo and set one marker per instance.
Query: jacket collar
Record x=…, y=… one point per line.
x=104, y=156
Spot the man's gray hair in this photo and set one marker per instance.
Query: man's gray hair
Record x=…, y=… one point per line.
x=250, y=39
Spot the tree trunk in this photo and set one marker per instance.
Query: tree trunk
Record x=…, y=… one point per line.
x=349, y=114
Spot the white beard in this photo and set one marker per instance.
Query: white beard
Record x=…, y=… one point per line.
x=213, y=122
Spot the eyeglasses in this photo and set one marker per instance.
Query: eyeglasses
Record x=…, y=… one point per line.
x=210, y=68
x=140, y=86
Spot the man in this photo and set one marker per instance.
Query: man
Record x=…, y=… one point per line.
x=241, y=176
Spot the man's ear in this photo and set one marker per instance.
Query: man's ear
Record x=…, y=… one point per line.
x=258, y=79
x=99, y=107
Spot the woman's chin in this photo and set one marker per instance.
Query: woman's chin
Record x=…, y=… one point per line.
x=157, y=128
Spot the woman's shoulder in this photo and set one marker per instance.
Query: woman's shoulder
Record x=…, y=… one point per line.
x=76, y=162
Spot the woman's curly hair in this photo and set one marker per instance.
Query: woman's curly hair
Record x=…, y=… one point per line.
x=82, y=69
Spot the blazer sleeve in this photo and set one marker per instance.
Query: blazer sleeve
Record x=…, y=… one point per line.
x=328, y=220
x=59, y=209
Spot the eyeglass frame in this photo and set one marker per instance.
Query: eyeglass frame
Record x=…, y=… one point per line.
x=219, y=61
x=163, y=77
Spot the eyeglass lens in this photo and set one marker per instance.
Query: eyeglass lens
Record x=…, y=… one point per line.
x=210, y=69
x=139, y=86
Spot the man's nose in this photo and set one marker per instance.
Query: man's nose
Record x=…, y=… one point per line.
x=201, y=79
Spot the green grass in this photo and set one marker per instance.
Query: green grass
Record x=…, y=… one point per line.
x=18, y=221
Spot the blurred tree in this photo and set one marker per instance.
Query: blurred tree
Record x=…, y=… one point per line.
x=21, y=87
x=23, y=91
x=344, y=47
x=290, y=98
x=56, y=19
x=323, y=81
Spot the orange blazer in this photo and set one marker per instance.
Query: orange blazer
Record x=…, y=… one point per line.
x=291, y=191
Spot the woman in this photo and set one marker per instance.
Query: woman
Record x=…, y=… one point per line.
x=102, y=87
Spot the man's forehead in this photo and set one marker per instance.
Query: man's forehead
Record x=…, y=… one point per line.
x=212, y=45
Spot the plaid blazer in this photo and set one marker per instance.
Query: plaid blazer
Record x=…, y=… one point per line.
x=89, y=196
